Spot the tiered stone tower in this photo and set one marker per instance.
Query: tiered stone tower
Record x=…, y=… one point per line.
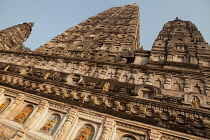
x=180, y=41
x=13, y=37
x=112, y=35
x=93, y=82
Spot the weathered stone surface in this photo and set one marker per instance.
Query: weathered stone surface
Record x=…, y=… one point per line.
x=112, y=35
x=95, y=82
x=13, y=37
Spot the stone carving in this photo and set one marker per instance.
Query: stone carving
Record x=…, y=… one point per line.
x=95, y=100
x=46, y=75
x=167, y=84
x=42, y=106
x=107, y=103
x=186, y=84
x=4, y=105
x=118, y=106
x=70, y=118
x=155, y=135
x=84, y=97
x=131, y=109
x=150, y=79
x=108, y=128
x=51, y=124
x=19, y=100
x=7, y=132
x=13, y=37
x=2, y=91
x=85, y=133
x=99, y=65
x=106, y=86
x=26, y=111
x=195, y=102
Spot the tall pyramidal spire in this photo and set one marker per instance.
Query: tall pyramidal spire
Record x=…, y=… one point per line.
x=111, y=35
x=180, y=41
x=13, y=37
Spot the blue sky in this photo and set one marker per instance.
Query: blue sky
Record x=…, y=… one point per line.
x=52, y=17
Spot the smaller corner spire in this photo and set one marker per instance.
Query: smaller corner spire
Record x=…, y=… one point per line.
x=177, y=18
x=31, y=24
x=135, y=4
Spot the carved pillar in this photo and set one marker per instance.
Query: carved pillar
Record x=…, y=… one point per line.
x=43, y=105
x=91, y=70
x=207, y=87
x=167, y=84
x=108, y=128
x=150, y=79
x=18, y=102
x=2, y=92
x=64, y=130
x=133, y=77
x=30, y=122
x=186, y=84
x=155, y=135
x=104, y=72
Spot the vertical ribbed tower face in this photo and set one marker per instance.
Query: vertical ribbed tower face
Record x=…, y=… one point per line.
x=13, y=37
x=111, y=35
x=180, y=41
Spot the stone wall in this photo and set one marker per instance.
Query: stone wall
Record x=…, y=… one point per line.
x=72, y=120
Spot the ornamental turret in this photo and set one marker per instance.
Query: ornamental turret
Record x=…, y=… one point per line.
x=181, y=41
x=13, y=37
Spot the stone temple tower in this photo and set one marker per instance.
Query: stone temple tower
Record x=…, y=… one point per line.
x=13, y=37
x=180, y=41
x=94, y=82
x=112, y=35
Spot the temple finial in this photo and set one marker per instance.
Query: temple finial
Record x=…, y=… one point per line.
x=134, y=4
x=13, y=37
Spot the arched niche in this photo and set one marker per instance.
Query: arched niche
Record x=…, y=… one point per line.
x=4, y=103
x=159, y=80
x=197, y=89
x=51, y=124
x=128, y=136
x=149, y=91
x=195, y=102
x=176, y=86
x=86, y=132
x=23, y=115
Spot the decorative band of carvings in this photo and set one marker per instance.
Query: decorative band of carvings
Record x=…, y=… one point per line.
x=171, y=116
x=83, y=81
x=145, y=68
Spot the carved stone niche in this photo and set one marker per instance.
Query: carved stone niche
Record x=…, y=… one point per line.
x=149, y=92
x=126, y=134
x=195, y=100
x=49, y=123
x=86, y=129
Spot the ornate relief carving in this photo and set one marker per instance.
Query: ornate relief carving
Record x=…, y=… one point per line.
x=51, y=124
x=108, y=128
x=85, y=133
x=195, y=102
x=106, y=86
x=4, y=105
x=7, y=132
x=2, y=91
x=20, y=98
x=167, y=137
x=155, y=135
x=25, y=113
x=63, y=132
x=43, y=105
